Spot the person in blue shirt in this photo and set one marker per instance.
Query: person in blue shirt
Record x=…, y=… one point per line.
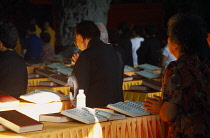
x=32, y=47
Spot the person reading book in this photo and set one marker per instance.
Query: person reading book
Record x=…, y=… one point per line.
x=185, y=83
x=98, y=70
x=13, y=71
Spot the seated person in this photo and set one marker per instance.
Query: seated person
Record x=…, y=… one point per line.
x=47, y=50
x=98, y=69
x=13, y=71
x=32, y=46
x=185, y=101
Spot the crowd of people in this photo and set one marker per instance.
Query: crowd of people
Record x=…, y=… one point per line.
x=98, y=68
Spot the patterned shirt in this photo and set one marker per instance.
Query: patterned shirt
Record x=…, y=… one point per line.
x=186, y=83
x=47, y=53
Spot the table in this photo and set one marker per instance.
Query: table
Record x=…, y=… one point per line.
x=35, y=81
x=32, y=69
x=64, y=89
x=127, y=84
x=140, y=127
x=135, y=95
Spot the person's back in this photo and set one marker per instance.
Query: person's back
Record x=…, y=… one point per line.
x=105, y=74
x=150, y=50
x=13, y=71
x=47, y=50
x=98, y=70
x=32, y=46
x=136, y=42
x=193, y=98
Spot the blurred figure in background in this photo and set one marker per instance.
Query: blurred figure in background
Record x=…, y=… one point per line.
x=51, y=32
x=33, y=21
x=47, y=50
x=32, y=46
x=150, y=50
x=125, y=43
x=136, y=42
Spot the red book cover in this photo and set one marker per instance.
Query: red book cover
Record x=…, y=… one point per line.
x=7, y=101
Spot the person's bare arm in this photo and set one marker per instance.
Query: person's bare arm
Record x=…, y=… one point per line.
x=168, y=112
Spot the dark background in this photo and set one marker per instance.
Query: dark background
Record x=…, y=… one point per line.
x=141, y=12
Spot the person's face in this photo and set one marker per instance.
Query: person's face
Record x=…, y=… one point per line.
x=80, y=42
x=172, y=48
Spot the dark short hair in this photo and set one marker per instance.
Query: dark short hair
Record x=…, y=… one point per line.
x=137, y=29
x=87, y=29
x=188, y=31
x=32, y=28
x=8, y=35
x=45, y=37
x=150, y=29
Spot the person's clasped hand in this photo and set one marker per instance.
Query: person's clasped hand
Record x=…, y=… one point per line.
x=153, y=105
x=75, y=57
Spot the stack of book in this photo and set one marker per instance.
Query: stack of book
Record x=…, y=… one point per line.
x=18, y=122
x=156, y=85
x=44, y=72
x=58, y=78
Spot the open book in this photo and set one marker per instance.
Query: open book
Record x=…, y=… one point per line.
x=84, y=116
x=18, y=122
x=65, y=71
x=108, y=115
x=128, y=68
x=149, y=67
x=44, y=96
x=54, y=117
x=56, y=66
x=148, y=74
x=129, y=108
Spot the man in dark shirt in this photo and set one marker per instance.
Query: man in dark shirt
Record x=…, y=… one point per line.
x=13, y=71
x=98, y=70
x=150, y=50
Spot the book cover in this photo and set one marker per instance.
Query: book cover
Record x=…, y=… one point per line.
x=148, y=74
x=34, y=75
x=65, y=71
x=156, y=85
x=127, y=77
x=48, y=83
x=108, y=115
x=44, y=72
x=54, y=117
x=18, y=122
x=128, y=68
x=7, y=101
x=128, y=109
x=60, y=79
x=83, y=116
x=140, y=87
x=43, y=96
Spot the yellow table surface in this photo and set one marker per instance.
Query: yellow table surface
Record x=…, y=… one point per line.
x=139, y=95
x=140, y=127
x=35, y=81
x=127, y=84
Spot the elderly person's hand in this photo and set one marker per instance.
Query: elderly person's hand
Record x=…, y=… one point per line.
x=153, y=105
x=75, y=57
